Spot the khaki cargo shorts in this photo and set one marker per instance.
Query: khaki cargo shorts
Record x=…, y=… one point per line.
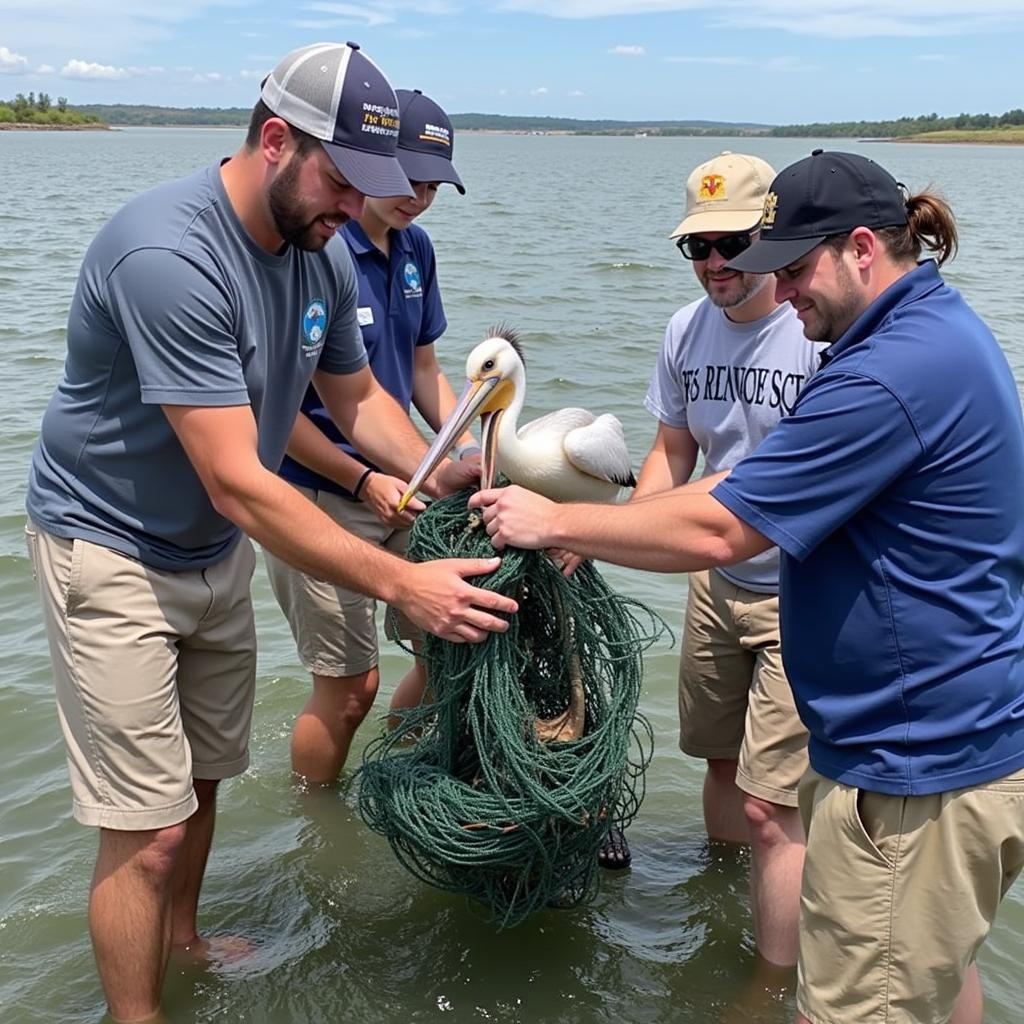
x=154, y=672
x=735, y=703
x=898, y=895
x=335, y=628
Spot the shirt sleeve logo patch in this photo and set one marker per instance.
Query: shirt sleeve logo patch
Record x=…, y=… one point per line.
x=314, y=326
x=411, y=276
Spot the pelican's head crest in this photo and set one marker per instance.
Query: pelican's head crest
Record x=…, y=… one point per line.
x=499, y=355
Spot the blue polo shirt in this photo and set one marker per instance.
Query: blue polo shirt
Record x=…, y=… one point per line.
x=894, y=491
x=399, y=309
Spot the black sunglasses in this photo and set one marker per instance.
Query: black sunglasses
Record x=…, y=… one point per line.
x=693, y=247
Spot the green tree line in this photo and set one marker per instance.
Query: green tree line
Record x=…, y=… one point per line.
x=902, y=126
x=41, y=109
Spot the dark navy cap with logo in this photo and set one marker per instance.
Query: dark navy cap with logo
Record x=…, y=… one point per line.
x=426, y=140
x=335, y=93
x=824, y=194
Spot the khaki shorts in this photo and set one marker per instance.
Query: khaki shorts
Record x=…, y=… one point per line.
x=334, y=628
x=735, y=703
x=155, y=674
x=898, y=895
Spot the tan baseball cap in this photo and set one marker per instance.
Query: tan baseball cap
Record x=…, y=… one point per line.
x=726, y=194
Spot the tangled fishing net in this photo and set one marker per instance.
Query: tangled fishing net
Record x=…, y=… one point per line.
x=504, y=782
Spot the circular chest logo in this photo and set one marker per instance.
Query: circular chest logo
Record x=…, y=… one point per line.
x=412, y=279
x=314, y=323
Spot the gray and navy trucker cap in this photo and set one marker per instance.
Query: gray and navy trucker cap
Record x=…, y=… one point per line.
x=426, y=140
x=335, y=93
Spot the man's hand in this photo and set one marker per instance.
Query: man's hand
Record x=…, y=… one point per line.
x=439, y=600
x=567, y=561
x=516, y=516
x=452, y=477
x=382, y=493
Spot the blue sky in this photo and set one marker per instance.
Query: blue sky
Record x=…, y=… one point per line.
x=771, y=61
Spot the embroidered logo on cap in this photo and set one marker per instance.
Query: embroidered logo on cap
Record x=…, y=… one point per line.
x=712, y=187
x=436, y=133
x=771, y=202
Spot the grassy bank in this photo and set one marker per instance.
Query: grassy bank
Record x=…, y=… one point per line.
x=1006, y=135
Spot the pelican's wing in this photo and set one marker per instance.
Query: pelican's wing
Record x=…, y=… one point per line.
x=557, y=423
x=599, y=448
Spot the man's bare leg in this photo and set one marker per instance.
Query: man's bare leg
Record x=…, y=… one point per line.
x=191, y=866
x=724, y=817
x=776, y=866
x=130, y=916
x=325, y=727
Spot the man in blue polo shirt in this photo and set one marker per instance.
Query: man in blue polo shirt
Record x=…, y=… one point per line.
x=893, y=491
x=400, y=317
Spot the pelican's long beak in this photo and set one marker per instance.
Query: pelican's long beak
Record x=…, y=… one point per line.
x=489, y=447
x=474, y=396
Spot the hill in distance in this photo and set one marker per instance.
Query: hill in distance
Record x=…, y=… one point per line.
x=139, y=115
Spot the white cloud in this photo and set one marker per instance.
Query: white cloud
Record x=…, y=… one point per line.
x=577, y=92
x=829, y=18
x=779, y=64
x=368, y=16
x=628, y=51
x=932, y=57
x=76, y=68
x=724, y=61
x=541, y=90
x=10, y=61
x=45, y=69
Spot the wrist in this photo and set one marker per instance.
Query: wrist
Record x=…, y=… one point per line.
x=465, y=451
x=361, y=482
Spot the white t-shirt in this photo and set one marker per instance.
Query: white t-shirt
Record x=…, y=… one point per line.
x=729, y=384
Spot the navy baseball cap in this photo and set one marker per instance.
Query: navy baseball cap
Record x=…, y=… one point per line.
x=335, y=93
x=824, y=194
x=426, y=140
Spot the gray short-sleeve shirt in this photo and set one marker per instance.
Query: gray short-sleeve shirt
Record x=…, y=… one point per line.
x=177, y=305
x=729, y=384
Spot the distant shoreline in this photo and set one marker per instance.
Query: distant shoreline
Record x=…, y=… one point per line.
x=982, y=137
x=21, y=126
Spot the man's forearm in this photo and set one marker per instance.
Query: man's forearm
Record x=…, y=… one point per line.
x=676, y=531
x=273, y=513
x=382, y=431
x=311, y=447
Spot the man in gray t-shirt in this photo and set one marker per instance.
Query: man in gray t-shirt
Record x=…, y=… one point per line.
x=730, y=367
x=203, y=310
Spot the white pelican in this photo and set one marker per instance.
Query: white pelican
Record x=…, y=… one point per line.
x=568, y=455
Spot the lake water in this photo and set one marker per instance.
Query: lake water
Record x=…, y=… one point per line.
x=564, y=238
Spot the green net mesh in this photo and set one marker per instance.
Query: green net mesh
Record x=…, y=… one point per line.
x=529, y=746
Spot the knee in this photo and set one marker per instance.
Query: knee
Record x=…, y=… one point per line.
x=356, y=706
x=771, y=824
x=156, y=853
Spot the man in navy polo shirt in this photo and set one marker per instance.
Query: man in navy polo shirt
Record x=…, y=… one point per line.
x=893, y=491
x=400, y=317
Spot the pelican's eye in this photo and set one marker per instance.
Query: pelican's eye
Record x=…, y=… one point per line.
x=489, y=365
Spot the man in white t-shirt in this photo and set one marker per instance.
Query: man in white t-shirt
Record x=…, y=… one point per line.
x=730, y=367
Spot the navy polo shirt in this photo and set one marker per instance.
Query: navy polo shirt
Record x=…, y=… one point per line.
x=399, y=309
x=894, y=492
